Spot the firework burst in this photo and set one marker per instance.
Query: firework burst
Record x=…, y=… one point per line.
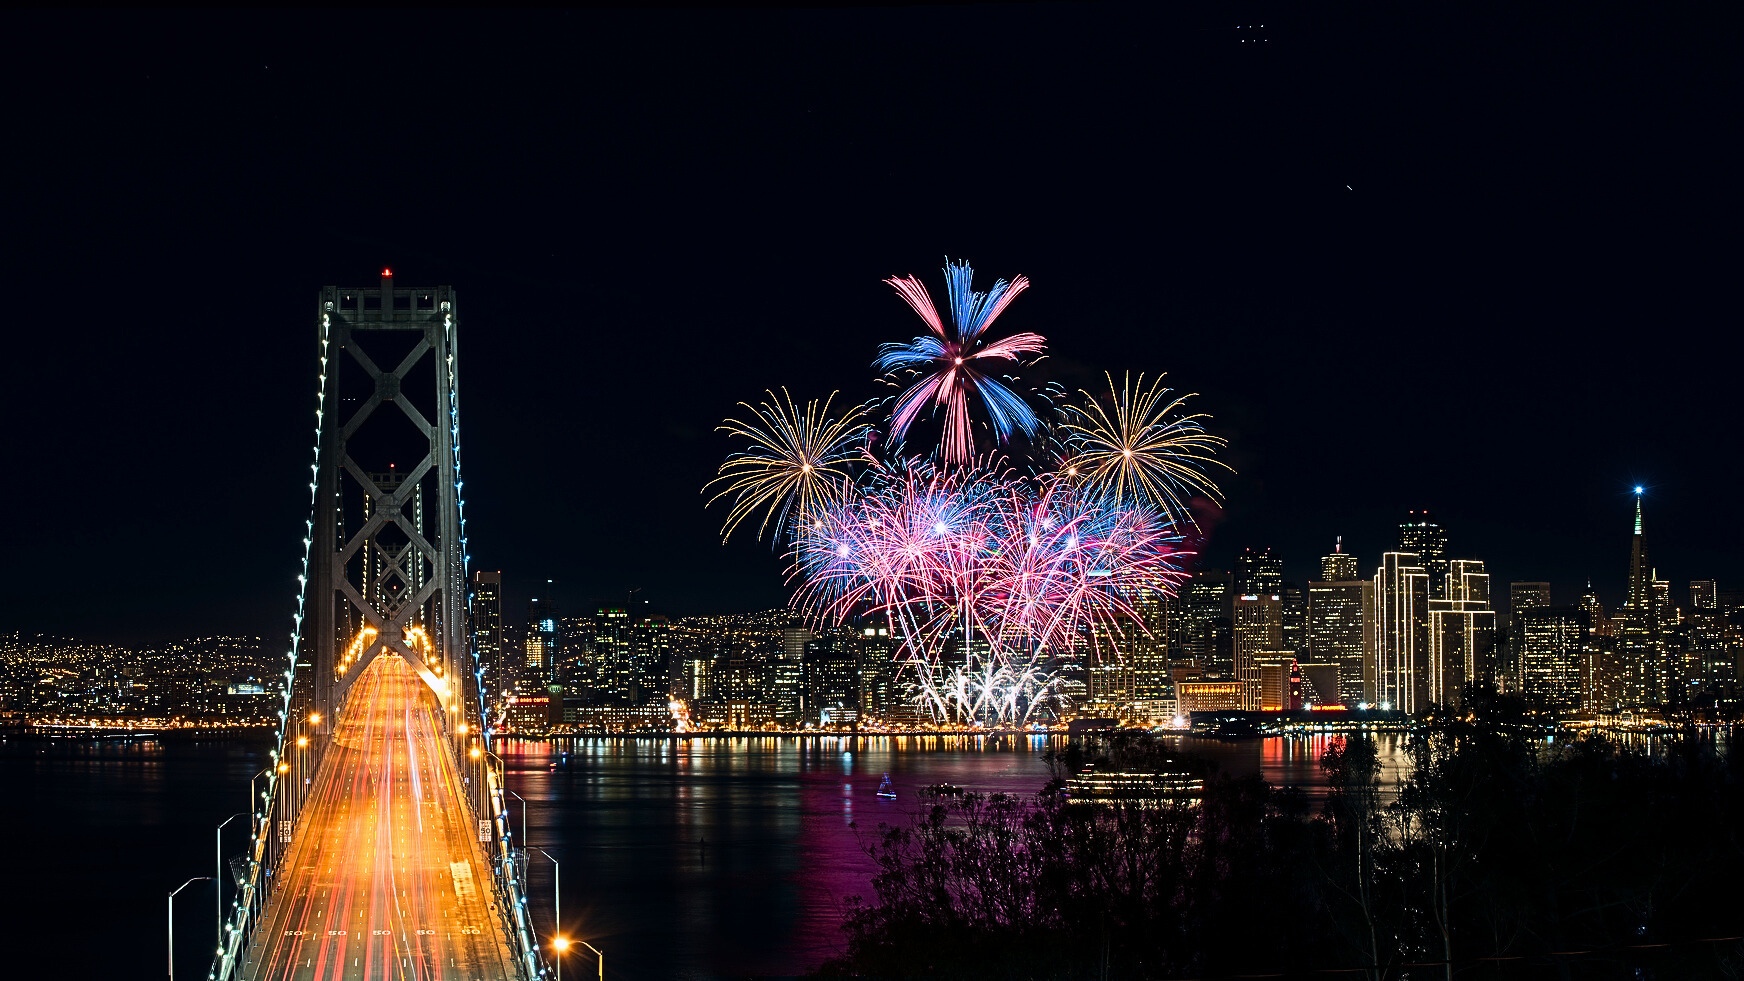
x=1142, y=447
x=948, y=368
x=797, y=463
x=999, y=570
x=987, y=577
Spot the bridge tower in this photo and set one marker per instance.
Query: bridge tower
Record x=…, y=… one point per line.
x=384, y=576
x=388, y=560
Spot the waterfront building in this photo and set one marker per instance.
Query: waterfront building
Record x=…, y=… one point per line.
x=1211, y=696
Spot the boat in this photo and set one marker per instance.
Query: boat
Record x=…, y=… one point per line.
x=885, y=789
x=944, y=790
x=1142, y=789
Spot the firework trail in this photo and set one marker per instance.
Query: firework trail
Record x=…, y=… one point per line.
x=1142, y=448
x=949, y=366
x=797, y=463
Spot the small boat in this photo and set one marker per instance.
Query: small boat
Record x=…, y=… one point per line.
x=944, y=790
x=885, y=789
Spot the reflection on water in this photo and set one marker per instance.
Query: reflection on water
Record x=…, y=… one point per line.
x=696, y=858
x=708, y=857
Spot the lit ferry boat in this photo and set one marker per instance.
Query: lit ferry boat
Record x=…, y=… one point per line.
x=1093, y=786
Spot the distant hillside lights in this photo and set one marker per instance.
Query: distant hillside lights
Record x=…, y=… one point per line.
x=208, y=682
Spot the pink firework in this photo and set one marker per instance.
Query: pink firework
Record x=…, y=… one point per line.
x=949, y=366
x=983, y=562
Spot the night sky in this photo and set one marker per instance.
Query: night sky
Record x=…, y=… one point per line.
x=1479, y=262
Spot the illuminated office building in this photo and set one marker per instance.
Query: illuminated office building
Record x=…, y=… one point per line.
x=1599, y=670
x=540, y=647
x=1640, y=648
x=1295, y=613
x=1336, y=628
x=651, y=656
x=1258, y=573
x=485, y=614
x=1553, y=648
x=1340, y=566
x=1396, y=672
x=1522, y=596
x=1205, y=607
x=1259, y=640
x=1462, y=630
x=1147, y=650
x=1421, y=536
x=1704, y=594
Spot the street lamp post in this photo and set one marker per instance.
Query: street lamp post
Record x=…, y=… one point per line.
x=218, y=871
x=557, y=910
x=172, y=923
x=523, y=800
x=561, y=944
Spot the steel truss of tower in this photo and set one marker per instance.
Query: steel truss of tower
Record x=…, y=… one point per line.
x=387, y=577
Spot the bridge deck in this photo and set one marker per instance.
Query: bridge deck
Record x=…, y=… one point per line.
x=386, y=879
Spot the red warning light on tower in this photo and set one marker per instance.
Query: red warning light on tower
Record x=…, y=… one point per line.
x=387, y=273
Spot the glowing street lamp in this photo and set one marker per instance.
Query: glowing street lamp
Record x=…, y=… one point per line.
x=562, y=945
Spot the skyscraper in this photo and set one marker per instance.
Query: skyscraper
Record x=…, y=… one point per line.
x=1258, y=573
x=1704, y=594
x=1640, y=654
x=1599, y=674
x=1396, y=674
x=1462, y=630
x=1205, y=613
x=651, y=655
x=1340, y=566
x=539, y=650
x=1148, y=650
x=1295, y=612
x=1420, y=535
x=1259, y=640
x=1336, y=625
x=1522, y=596
x=485, y=613
x=1553, y=645
x=612, y=657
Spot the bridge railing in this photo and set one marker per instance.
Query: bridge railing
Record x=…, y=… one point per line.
x=511, y=881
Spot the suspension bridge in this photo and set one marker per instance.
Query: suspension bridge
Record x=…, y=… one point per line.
x=380, y=847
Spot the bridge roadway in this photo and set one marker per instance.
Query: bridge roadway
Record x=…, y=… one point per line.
x=386, y=879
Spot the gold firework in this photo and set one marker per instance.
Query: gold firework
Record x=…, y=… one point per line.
x=797, y=462
x=1142, y=447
